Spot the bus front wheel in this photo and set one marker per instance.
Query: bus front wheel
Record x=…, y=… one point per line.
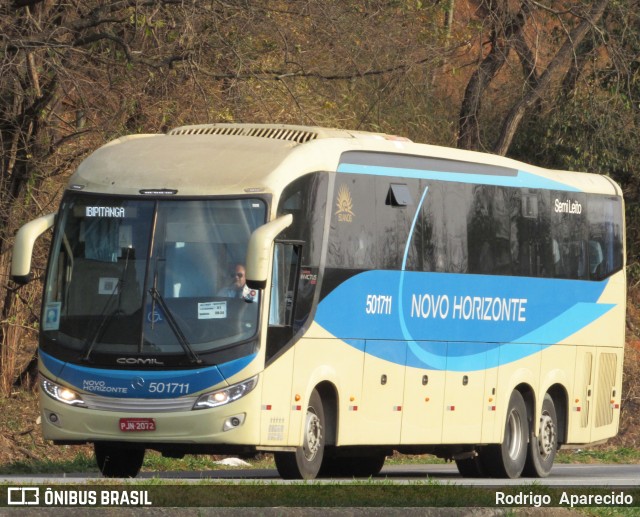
x=507, y=460
x=118, y=462
x=353, y=466
x=542, y=448
x=306, y=461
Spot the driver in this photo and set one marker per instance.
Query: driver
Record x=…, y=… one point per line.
x=235, y=289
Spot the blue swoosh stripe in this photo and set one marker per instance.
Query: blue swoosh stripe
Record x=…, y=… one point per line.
x=454, y=342
x=567, y=323
x=126, y=383
x=522, y=179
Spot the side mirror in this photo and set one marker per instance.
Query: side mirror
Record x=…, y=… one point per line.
x=259, y=250
x=23, y=247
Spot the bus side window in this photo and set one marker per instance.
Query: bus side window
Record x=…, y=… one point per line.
x=569, y=232
x=284, y=285
x=605, y=231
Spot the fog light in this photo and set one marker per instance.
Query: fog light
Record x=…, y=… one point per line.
x=53, y=418
x=233, y=421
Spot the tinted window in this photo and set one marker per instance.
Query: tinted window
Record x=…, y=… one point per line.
x=356, y=242
x=605, y=236
x=440, y=237
x=494, y=239
x=569, y=235
x=478, y=229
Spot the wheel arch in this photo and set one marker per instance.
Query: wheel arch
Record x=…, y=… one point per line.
x=329, y=395
x=560, y=398
x=529, y=396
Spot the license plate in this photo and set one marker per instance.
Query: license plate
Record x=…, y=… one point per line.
x=137, y=424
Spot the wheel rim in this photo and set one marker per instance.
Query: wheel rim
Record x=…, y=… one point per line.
x=514, y=438
x=547, y=435
x=312, y=435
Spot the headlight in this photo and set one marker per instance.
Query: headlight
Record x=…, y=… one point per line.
x=226, y=395
x=61, y=393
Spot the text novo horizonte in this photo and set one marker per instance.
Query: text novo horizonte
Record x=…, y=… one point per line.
x=482, y=308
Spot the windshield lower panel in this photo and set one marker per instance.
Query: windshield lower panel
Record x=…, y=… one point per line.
x=137, y=277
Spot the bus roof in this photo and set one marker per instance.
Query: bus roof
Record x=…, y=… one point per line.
x=233, y=159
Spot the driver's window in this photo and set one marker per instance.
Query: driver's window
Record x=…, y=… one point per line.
x=283, y=288
x=283, y=284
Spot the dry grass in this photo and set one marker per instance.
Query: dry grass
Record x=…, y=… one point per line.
x=20, y=434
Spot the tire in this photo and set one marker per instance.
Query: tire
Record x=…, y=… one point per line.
x=471, y=467
x=118, y=462
x=353, y=466
x=306, y=461
x=543, y=448
x=507, y=459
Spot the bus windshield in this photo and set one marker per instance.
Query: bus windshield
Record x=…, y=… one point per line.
x=150, y=277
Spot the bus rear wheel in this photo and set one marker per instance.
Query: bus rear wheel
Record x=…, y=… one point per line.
x=542, y=448
x=507, y=460
x=306, y=461
x=118, y=462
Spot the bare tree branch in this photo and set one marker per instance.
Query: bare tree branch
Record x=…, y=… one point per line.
x=559, y=61
x=507, y=28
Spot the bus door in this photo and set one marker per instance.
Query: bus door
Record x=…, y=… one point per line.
x=276, y=428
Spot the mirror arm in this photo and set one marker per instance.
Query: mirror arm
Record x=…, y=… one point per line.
x=259, y=250
x=23, y=247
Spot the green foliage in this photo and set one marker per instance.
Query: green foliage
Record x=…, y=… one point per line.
x=622, y=455
x=155, y=462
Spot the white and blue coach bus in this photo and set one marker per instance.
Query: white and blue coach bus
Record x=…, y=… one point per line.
x=398, y=297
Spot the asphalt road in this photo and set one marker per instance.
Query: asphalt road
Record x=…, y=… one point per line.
x=614, y=476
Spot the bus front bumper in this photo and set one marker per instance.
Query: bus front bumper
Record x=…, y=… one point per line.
x=236, y=423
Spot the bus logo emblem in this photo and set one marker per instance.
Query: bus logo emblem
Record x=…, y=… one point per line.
x=137, y=383
x=344, y=203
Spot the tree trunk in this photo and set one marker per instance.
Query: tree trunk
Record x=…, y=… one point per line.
x=561, y=60
x=507, y=27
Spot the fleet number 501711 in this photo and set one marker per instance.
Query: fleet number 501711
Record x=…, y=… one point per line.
x=168, y=387
x=379, y=304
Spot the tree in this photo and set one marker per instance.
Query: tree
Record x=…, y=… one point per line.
x=76, y=74
x=509, y=31
x=67, y=75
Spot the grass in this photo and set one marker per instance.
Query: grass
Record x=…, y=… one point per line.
x=625, y=455
x=155, y=462
x=81, y=462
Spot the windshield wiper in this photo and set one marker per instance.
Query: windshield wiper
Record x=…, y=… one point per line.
x=107, y=317
x=175, y=328
x=90, y=343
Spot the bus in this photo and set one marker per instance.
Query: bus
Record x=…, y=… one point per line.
x=328, y=296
